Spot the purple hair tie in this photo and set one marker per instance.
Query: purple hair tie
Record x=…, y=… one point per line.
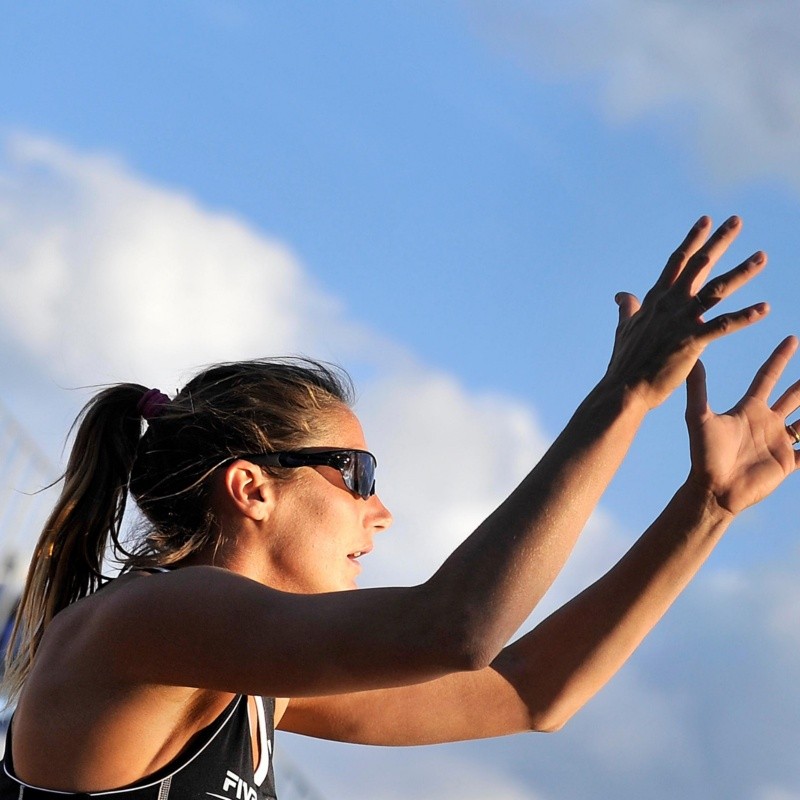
x=152, y=404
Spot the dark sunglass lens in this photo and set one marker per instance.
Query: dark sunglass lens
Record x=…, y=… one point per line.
x=365, y=474
x=357, y=469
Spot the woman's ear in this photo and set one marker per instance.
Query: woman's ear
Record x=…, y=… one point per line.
x=249, y=489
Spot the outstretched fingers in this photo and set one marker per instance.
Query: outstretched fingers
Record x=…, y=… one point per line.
x=770, y=373
x=685, y=250
x=732, y=322
x=726, y=284
x=700, y=264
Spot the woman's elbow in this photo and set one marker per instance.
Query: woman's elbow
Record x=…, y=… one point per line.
x=547, y=723
x=476, y=647
x=551, y=717
x=475, y=656
x=459, y=640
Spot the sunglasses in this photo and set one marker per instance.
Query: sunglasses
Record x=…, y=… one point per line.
x=357, y=467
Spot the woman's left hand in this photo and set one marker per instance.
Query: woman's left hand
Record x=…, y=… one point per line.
x=744, y=454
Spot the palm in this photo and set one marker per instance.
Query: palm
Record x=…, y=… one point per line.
x=744, y=454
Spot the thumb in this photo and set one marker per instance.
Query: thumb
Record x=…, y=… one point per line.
x=628, y=305
x=696, y=393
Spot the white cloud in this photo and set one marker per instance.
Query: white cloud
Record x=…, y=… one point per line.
x=728, y=73
x=105, y=275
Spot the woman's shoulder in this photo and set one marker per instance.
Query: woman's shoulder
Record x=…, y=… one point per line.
x=125, y=633
x=95, y=628
x=132, y=592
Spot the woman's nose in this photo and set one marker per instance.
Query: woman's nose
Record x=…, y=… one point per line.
x=380, y=516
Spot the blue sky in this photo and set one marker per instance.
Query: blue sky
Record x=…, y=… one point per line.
x=444, y=197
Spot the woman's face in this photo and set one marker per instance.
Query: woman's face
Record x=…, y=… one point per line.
x=318, y=529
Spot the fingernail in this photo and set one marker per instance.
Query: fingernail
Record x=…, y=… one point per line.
x=732, y=222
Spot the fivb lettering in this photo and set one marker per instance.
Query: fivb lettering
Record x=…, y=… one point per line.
x=243, y=790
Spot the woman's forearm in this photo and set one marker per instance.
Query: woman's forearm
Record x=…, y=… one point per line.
x=496, y=577
x=566, y=659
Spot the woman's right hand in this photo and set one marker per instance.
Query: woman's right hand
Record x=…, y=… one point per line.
x=659, y=340
x=739, y=457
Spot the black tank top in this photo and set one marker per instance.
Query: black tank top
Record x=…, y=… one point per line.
x=218, y=764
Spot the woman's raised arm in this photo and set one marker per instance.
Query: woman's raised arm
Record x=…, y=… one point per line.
x=541, y=680
x=463, y=616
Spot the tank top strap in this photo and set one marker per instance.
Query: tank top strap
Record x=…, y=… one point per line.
x=266, y=737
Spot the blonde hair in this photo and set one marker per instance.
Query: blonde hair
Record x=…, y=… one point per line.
x=225, y=411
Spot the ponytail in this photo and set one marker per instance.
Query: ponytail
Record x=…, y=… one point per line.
x=67, y=562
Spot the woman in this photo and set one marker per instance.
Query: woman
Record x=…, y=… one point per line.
x=260, y=497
